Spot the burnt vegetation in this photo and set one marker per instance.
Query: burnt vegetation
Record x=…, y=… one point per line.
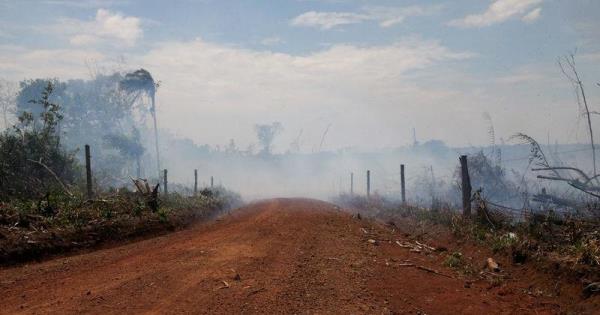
x=547, y=213
x=543, y=207
x=44, y=206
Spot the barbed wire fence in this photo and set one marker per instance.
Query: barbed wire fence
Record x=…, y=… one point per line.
x=389, y=185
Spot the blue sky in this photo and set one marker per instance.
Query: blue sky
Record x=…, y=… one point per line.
x=371, y=69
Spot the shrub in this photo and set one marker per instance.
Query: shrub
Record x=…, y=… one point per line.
x=32, y=161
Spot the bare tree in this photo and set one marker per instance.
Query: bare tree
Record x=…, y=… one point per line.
x=574, y=177
x=568, y=68
x=295, y=145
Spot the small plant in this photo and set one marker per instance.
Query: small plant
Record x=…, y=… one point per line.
x=454, y=260
x=138, y=208
x=163, y=215
x=502, y=242
x=457, y=261
x=588, y=252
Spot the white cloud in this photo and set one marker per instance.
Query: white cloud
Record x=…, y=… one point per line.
x=106, y=28
x=591, y=57
x=17, y=63
x=82, y=4
x=532, y=74
x=372, y=95
x=500, y=11
x=390, y=16
x=533, y=15
x=348, y=84
x=385, y=16
x=327, y=20
x=270, y=41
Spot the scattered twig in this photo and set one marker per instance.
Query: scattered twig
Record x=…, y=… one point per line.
x=256, y=291
x=425, y=269
x=425, y=245
x=433, y=271
x=417, y=247
x=225, y=285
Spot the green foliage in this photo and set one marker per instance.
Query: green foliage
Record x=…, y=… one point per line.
x=208, y=198
x=32, y=160
x=138, y=208
x=454, y=260
x=500, y=242
x=163, y=215
x=139, y=81
x=76, y=212
x=31, y=90
x=98, y=112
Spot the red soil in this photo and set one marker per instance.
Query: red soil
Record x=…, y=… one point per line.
x=289, y=255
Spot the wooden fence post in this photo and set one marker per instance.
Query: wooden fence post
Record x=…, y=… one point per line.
x=402, y=184
x=88, y=171
x=466, y=186
x=351, y=184
x=165, y=183
x=368, y=183
x=195, y=182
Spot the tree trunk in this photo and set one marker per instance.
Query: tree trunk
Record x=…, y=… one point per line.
x=155, y=135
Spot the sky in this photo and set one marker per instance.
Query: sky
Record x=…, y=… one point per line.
x=369, y=71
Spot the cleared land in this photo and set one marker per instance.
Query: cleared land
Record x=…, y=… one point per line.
x=276, y=256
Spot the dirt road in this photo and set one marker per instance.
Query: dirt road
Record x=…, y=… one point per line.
x=278, y=256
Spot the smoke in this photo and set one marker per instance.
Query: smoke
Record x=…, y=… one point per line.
x=112, y=114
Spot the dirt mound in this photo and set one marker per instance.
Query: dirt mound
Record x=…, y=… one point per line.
x=276, y=256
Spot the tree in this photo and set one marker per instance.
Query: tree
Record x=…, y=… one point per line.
x=8, y=95
x=31, y=157
x=92, y=110
x=573, y=176
x=128, y=146
x=138, y=83
x=567, y=66
x=489, y=177
x=31, y=89
x=231, y=148
x=266, y=133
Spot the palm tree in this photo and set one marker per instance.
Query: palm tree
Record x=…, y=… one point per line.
x=139, y=82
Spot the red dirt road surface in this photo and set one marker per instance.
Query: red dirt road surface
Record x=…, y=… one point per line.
x=292, y=256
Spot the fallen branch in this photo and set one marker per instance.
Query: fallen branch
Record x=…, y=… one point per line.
x=584, y=187
x=433, y=271
x=417, y=248
x=256, y=291
x=425, y=269
x=553, y=178
x=425, y=245
x=554, y=168
x=225, y=285
x=64, y=187
x=583, y=190
x=544, y=198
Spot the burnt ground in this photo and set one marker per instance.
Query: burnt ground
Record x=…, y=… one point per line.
x=284, y=256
